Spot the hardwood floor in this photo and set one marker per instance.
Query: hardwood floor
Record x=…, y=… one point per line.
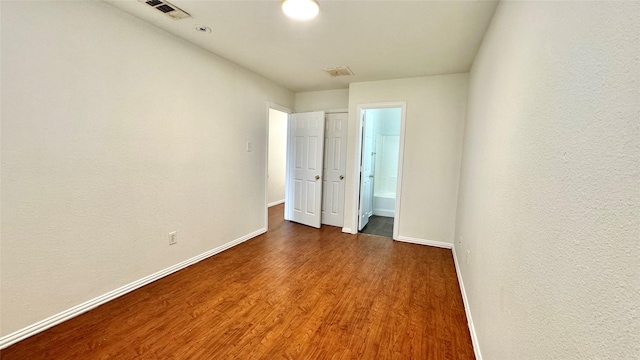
x=292, y=293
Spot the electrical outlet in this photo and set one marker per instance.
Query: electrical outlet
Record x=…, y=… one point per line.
x=467, y=257
x=249, y=146
x=173, y=238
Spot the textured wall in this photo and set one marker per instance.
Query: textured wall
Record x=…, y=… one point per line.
x=549, y=202
x=433, y=146
x=115, y=133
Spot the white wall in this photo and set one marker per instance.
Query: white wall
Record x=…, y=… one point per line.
x=115, y=133
x=322, y=100
x=550, y=199
x=433, y=145
x=277, y=156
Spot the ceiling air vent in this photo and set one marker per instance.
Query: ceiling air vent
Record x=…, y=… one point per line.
x=166, y=8
x=339, y=71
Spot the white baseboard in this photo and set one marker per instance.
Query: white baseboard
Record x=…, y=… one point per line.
x=384, y=212
x=347, y=230
x=440, y=244
x=56, y=319
x=275, y=203
x=472, y=329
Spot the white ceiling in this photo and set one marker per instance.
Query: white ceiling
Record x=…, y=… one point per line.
x=378, y=40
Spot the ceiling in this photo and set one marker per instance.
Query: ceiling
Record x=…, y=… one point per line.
x=378, y=40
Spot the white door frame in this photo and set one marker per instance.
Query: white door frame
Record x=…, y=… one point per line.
x=284, y=109
x=358, y=163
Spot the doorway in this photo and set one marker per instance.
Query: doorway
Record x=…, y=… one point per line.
x=380, y=168
x=287, y=153
x=276, y=159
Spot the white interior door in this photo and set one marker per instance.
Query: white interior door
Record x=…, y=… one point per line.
x=366, y=174
x=306, y=135
x=334, y=169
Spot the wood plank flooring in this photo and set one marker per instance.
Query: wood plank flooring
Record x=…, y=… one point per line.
x=292, y=293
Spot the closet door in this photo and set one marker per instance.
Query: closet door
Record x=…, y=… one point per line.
x=305, y=152
x=334, y=170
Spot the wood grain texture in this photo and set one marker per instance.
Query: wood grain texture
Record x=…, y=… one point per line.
x=293, y=293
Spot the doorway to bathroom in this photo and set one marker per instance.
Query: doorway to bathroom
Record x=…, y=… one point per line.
x=379, y=170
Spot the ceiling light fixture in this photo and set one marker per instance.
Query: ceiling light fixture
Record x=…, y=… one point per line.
x=300, y=9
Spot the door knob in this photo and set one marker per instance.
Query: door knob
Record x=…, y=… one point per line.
x=341, y=177
x=370, y=176
x=317, y=177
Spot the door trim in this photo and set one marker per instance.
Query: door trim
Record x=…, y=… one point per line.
x=358, y=163
x=284, y=109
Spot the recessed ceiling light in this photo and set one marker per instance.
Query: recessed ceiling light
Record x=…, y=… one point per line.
x=300, y=9
x=202, y=28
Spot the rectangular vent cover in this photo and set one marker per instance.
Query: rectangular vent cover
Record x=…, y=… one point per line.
x=167, y=8
x=338, y=71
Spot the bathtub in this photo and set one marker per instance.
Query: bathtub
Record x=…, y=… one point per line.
x=384, y=204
